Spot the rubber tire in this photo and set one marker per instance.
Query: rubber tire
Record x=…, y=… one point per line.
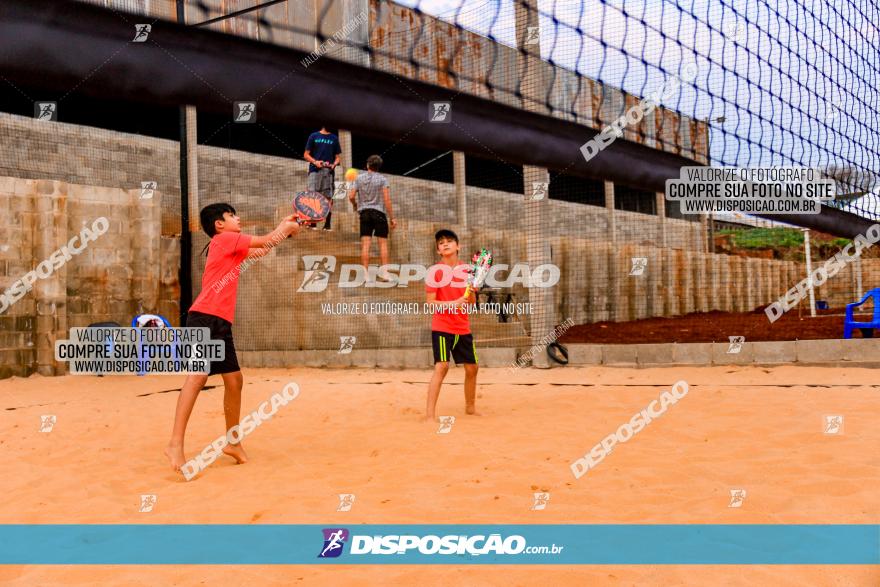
x=561, y=350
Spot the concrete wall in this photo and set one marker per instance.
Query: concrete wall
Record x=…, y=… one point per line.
x=91, y=156
x=256, y=184
x=831, y=353
x=129, y=270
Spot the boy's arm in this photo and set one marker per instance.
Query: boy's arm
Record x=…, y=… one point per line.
x=287, y=227
x=386, y=193
x=256, y=253
x=352, y=193
x=310, y=159
x=308, y=154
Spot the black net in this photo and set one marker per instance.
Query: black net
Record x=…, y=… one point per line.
x=778, y=84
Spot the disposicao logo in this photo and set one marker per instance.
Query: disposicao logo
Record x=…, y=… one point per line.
x=334, y=540
x=319, y=268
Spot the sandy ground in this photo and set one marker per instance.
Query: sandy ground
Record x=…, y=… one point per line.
x=358, y=431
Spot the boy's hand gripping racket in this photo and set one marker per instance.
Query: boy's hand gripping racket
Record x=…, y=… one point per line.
x=479, y=271
x=310, y=207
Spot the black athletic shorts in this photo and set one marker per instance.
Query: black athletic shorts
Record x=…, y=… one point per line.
x=220, y=330
x=459, y=346
x=373, y=221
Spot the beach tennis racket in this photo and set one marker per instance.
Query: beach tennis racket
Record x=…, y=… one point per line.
x=480, y=266
x=309, y=206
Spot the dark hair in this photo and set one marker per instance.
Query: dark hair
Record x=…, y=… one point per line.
x=445, y=233
x=211, y=214
x=374, y=162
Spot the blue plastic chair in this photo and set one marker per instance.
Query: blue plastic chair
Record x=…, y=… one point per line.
x=849, y=324
x=150, y=321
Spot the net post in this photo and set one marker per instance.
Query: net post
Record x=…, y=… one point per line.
x=609, y=206
x=704, y=233
x=712, y=232
x=857, y=270
x=458, y=174
x=808, y=257
x=660, y=205
x=185, y=273
x=192, y=167
x=532, y=84
x=541, y=318
x=345, y=145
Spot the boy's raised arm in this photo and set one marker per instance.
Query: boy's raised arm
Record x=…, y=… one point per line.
x=256, y=253
x=287, y=227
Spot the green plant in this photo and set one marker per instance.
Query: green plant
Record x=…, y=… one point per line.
x=765, y=238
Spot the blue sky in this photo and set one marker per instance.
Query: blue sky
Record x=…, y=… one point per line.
x=795, y=87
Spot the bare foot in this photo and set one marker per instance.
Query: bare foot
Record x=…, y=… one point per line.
x=429, y=419
x=236, y=451
x=471, y=410
x=174, y=452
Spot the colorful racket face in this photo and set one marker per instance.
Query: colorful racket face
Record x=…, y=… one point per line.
x=311, y=206
x=480, y=266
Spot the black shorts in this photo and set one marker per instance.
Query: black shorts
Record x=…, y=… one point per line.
x=373, y=221
x=220, y=330
x=459, y=346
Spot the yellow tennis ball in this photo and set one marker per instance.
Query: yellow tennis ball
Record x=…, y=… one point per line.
x=351, y=174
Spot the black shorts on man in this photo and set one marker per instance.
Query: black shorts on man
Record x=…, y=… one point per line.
x=374, y=223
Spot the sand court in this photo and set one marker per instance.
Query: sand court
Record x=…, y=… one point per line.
x=359, y=432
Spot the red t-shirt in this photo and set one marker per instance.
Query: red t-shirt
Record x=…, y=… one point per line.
x=449, y=284
x=220, y=280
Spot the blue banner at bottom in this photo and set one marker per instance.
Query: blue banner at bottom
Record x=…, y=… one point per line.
x=560, y=544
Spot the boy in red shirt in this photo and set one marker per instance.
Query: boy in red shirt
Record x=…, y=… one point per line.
x=445, y=285
x=214, y=308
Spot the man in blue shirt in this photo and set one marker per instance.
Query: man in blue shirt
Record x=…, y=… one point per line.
x=322, y=153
